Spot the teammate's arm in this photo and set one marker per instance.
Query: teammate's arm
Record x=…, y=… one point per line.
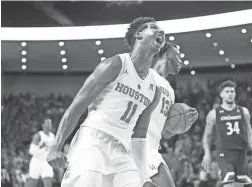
x=140, y=130
x=249, y=130
x=104, y=73
x=35, y=146
x=139, y=151
x=210, y=122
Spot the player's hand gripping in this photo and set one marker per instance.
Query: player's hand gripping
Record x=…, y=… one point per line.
x=56, y=158
x=192, y=113
x=206, y=162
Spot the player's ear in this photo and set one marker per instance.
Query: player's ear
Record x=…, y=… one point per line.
x=138, y=35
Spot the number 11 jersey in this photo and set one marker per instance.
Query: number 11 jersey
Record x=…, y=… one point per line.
x=231, y=129
x=116, y=110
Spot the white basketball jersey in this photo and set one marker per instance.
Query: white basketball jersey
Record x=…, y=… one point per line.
x=48, y=140
x=159, y=115
x=116, y=110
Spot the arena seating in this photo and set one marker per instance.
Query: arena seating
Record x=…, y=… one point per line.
x=22, y=116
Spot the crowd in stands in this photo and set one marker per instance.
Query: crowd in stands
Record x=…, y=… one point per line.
x=23, y=114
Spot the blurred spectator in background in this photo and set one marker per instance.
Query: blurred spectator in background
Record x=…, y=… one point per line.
x=39, y=147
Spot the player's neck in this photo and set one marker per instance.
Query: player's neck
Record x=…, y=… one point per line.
x=228, y=106
x=47, y=132
x=142, y=58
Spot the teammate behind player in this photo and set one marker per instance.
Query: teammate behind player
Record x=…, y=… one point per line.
x=120, y=89
x=233, y=131
x=39, y=148
x=166, y=62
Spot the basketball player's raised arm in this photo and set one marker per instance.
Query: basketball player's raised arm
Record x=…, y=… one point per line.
x=249, y=130
x=210, y=122
x=104, y=73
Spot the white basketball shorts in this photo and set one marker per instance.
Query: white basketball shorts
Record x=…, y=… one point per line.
x=94, y=155
x=40, y=168
x=154, y=161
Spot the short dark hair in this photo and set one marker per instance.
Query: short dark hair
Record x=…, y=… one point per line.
x=45, y=119
x=227, y=83
x=165, y=48
x=134, y=25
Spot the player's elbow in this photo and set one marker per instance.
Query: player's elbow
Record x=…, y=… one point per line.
x=33, y=149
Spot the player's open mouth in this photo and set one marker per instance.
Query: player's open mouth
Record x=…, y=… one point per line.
x=159, y=40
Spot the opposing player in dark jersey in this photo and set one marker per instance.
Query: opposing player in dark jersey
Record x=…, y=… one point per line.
x=233, y=131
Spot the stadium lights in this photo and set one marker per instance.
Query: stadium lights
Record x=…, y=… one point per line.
x=227, y=59
x=251, y=40
x=62, y=52
x=193, y=72
x=98, y=42
x=178, y=47
x=61, y=44
x=103, y=58
x=244, y=31
x=182, y=55
x=100, y=51
x=24, y=67
x=23, y=60
x=232, y=66
x=64, y=60
x=65, y=66
x=23, y=52
x=208, y=35
x=171, y=38
x=118, y=31
x=186, y=62
x=215, y=44
x=221, y=52
x=23, y=44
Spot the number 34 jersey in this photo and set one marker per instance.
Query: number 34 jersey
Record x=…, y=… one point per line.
x=116, y=110
x=231, y=129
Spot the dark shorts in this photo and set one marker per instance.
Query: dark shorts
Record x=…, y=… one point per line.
x=233, y=166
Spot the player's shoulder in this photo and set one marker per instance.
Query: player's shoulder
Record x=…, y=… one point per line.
x=52, y=134
x=160, y=80
x=114, y=61
x=39, y=133
x=212, y=114
x=155, y=74
x=37, y=137
x=107, y=70
x=245, y=111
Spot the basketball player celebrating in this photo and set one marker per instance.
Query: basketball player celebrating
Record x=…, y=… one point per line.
x=233, y=130
x=120, y=89
x=39, y=148
x=166, y=62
